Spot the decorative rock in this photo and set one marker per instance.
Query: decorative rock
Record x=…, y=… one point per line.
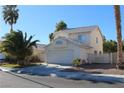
x=53, y=75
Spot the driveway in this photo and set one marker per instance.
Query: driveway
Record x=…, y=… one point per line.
x=12, y=80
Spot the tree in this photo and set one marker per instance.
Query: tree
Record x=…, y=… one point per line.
x=104, y=38
x=61, y=26
x=51, y=37
x=109, y=46
x=10, y=15
x=16, y=44
x=119, y=36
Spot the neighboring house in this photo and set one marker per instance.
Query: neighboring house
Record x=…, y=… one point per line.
x=74, y=43
x=40, y=51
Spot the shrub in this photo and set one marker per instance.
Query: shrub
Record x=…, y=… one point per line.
x=11, y=60
x=77, y=62
x=33, y=59
x=121, y=65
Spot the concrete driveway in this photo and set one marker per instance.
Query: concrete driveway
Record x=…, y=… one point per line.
x=12, y=80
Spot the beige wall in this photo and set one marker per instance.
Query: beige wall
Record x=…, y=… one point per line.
x=83, y=54
x=77, y=51
x=92, y=35
x=99, y=58
x=67, y=45
x=60, y=34
x=96, y=46
x=92, y=40
x=74, y=36
x=103, y=58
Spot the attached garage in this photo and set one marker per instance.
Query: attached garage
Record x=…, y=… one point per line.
x=64, y=51
x=60, y=56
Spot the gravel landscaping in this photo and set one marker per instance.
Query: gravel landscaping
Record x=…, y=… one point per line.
x=69, y=72
x=102, y=69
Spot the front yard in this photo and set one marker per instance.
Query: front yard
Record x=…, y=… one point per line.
x=86, y=68
x=88, y=72
x=101, y=69
x=16, y=65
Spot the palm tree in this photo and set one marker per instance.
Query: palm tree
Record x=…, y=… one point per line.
x=51, y=37
x=17, y=45
x=10, y=15
x=119, y=36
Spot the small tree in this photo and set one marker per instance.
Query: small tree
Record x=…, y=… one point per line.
x=17, y=45
x=61, y=26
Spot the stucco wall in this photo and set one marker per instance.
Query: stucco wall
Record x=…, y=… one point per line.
x=74, y=36
x=103, y=58
x=96, y=46
x=77, y=51
x=83, y=54
x=100, y=58
x=92, y=35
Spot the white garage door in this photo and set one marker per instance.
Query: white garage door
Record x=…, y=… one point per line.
x=60, y=56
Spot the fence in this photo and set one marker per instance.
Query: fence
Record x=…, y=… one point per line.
x=103, y=58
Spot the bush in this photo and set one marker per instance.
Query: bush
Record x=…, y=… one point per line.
x=11, y=60
x=121, y=65
x=77, y=62
x=33, y=58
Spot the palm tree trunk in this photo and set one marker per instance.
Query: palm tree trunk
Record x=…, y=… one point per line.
x=11, y=29
x=119, y=36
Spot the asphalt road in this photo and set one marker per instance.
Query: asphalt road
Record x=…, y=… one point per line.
x=10, y=80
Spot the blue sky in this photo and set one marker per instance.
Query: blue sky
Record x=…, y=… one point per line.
x=41, y=20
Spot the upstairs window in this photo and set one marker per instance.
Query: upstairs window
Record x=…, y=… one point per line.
x=59, y=42
x=96, y=40
x=83, y=38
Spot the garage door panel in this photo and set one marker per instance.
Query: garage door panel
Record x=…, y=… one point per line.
x=60, y=56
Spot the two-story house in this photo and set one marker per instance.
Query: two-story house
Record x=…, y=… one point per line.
x=73, y=43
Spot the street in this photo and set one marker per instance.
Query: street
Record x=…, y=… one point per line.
x=12, y=80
